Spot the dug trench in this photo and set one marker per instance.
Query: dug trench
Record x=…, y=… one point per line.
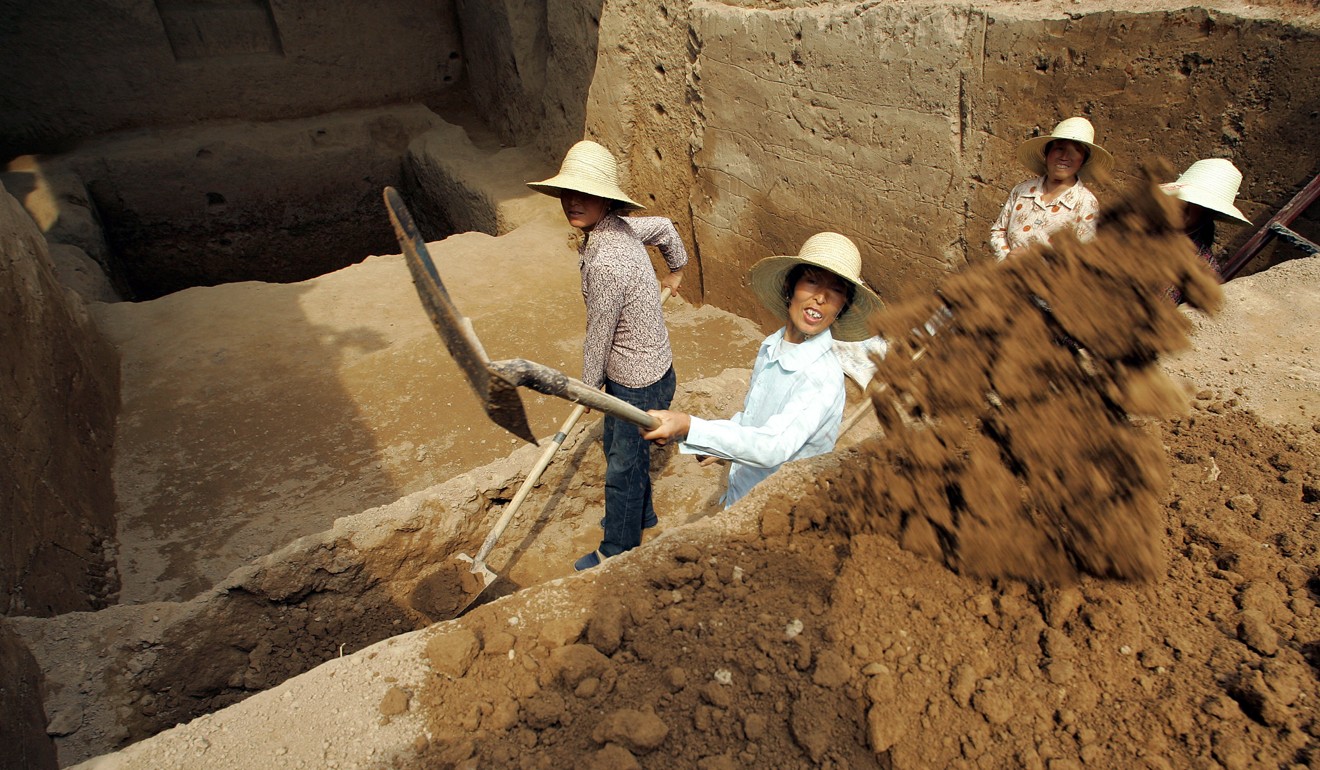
x=129, y=671
x=796, y=629
x=238, y=399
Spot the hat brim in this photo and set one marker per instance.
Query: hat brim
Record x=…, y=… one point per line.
x=555, y=186
x=767, y=279
x=1192, y=194
x=1031, y=154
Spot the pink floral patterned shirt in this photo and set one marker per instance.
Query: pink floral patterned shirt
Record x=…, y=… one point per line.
x=626, y=338
x=1026, y=219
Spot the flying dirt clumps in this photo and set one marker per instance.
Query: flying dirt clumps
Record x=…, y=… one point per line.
x=1010, y=447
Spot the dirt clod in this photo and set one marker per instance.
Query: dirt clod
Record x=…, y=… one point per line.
x=451, y=653
x=605, y=631
x=395, y=702
x=637, y=731
x=572, y=664
x=443, y=594
x=612, y=756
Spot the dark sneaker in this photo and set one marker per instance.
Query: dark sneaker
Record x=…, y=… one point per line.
x=592, y=559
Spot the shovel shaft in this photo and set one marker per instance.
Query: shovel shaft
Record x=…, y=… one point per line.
x=533, y=476
x=520, y=372
x=857, y=414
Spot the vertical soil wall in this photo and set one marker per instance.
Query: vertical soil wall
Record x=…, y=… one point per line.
x=61, y=386
x=754, y=125
x=23, y=729
x=923, y=107
x=81, y=69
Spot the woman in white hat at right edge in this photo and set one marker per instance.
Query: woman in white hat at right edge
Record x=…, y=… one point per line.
x=1209, y=189
x=1057, y=198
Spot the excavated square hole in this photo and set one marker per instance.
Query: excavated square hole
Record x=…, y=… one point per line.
x=277, y=202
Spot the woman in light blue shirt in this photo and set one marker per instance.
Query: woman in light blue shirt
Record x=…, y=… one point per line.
x=795, y=400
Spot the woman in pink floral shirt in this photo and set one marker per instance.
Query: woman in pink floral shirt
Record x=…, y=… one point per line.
x=626, y=350
x=1057, y=199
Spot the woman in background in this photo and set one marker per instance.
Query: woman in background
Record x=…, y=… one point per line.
x=1057, y=198
x=1209, y=189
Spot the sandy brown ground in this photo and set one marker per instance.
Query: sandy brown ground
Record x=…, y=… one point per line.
x=257, y=413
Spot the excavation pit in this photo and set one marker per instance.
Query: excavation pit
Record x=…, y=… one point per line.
x=277, y=202
x=271, y=408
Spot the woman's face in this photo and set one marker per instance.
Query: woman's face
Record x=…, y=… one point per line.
x=1063, y=160
x=582, y=210
x=1193, y=217
x=817, y=298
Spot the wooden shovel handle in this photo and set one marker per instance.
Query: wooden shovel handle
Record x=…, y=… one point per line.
x=533, y=476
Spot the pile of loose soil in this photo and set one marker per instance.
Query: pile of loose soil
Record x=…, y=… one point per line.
x=1010, y=445
x=807, y=647
x=1012, y=453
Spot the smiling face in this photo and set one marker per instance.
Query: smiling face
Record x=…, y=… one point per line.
x=582, y=210
x=1063, y=159
x=816, y=300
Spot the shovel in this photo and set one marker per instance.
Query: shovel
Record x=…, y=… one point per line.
x=496, y=383
x=480, y=576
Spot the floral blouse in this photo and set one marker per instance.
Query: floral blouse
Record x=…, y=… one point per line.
x=1026, y=219
x=626, y=340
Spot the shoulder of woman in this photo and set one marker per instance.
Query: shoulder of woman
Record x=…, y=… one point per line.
x=1084, y=193
x=1025, y=187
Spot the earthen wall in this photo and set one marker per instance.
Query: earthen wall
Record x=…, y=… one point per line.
x=74, y=70
x=897, y=125
x=61, y=382
x=755, y=124
x=23, y=730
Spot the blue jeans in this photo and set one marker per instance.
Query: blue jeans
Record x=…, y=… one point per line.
x=628, y=465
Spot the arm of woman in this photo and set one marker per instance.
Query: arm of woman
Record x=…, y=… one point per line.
x=999, y=230
x=661, y=233
x=808, y=409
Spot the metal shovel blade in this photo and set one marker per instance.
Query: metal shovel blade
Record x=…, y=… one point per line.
x=498, y=397
x=476, y=577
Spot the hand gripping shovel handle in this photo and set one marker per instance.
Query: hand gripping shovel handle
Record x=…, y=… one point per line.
x=533, y=476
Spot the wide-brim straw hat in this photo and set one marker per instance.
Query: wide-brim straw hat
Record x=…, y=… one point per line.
x=1032, y=152
x=1212, y=184
x=835, y=253
x=587, y=168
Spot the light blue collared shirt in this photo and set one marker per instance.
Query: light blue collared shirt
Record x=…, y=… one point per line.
x=793, y=409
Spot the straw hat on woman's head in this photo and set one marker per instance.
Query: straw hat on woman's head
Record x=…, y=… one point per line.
x=1212, y=184
x=835, y=253
x=1080, y=130
x=587, y=168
